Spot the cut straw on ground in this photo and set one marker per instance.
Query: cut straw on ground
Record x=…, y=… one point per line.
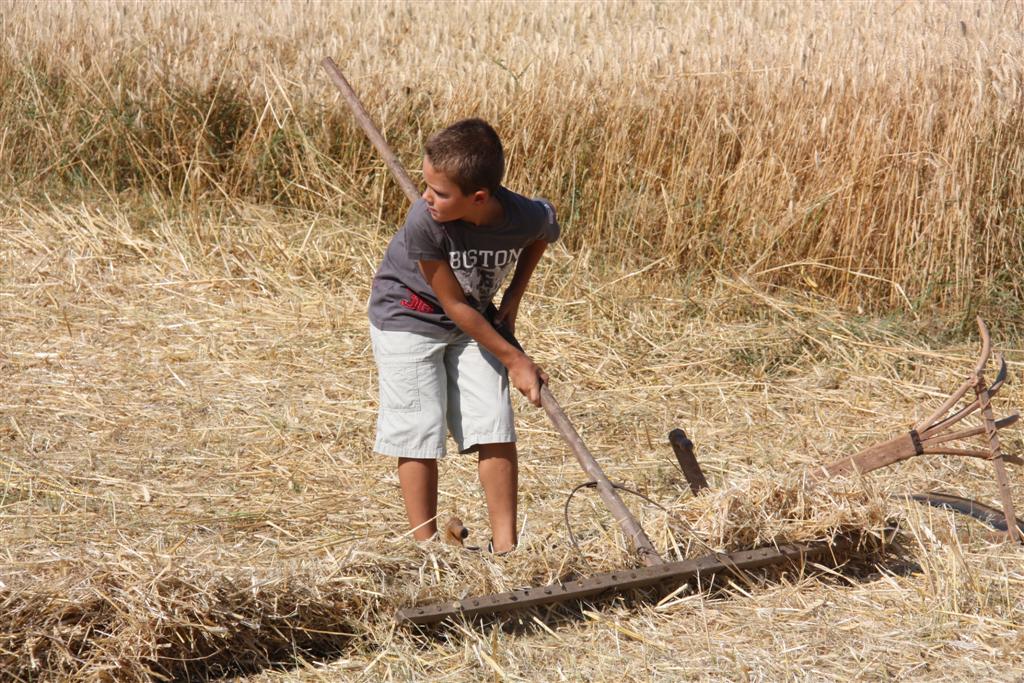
x=779, y=221
x=188, y=488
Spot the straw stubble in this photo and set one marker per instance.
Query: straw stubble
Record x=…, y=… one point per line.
x=189, y=232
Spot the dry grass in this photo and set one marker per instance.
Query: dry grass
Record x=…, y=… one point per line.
x=872, y=151
x=188, y=489
x=189, y=226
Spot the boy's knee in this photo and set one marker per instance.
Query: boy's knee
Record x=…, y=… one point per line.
x=417, y=463
x=504, y=451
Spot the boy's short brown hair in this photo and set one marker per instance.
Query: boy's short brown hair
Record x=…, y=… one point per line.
x=469, y=152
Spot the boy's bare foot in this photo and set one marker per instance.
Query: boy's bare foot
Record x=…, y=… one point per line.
x=499, y=552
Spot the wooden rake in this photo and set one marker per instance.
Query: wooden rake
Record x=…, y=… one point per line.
x=932, y=436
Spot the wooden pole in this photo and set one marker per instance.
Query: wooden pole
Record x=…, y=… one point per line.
x=627, y=522
x=366, y=123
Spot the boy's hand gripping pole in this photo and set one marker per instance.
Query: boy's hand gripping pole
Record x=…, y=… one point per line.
x=627, y=522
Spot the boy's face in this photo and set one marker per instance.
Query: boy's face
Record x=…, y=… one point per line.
x=444, y=198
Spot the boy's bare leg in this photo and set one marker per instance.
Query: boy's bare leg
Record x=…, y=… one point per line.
x=418, y=478
x=499, y=474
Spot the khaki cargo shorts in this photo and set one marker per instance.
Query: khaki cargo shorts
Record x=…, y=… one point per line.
x=428, y=383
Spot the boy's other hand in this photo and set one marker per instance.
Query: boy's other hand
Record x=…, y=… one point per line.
x=527, y=377
x=506, y=316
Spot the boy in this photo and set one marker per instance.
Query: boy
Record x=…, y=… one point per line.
x=439, y=359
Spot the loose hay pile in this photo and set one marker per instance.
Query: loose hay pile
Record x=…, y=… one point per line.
x=127, y=619
x=774, y=508
x=134, y=617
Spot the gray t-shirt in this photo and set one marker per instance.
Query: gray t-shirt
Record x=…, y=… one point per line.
x=480, y=256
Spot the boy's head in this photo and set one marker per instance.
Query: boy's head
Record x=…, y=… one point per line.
x=463, y=165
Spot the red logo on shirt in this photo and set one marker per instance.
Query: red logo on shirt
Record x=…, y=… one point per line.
x=415, y=303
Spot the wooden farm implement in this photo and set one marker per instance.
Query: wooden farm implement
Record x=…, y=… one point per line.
x=931, y=436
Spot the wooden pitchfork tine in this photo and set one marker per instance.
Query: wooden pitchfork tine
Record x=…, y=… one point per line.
x=928, y=436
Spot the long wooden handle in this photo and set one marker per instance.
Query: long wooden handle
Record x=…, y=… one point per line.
x=627, y=522
x=366, y=123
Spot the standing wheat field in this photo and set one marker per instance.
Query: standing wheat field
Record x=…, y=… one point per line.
x=779, y=220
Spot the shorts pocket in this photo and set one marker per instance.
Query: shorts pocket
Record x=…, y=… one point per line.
x=399, y=387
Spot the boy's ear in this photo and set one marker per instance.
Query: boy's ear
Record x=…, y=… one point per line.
x=480, y=196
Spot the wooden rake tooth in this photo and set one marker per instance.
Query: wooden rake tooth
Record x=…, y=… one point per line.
x=1000, y=376
x=936, y=422
x=455, y=532
x=1008, y=420
x=967, y=433
x=963, y=452
x=986, y=347
x=683, y=449
x=927, y=428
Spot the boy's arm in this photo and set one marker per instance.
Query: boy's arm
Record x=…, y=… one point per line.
x=522, y=372
x=517, y=287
